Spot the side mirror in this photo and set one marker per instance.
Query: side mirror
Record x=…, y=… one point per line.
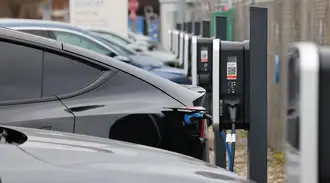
x=122, y=58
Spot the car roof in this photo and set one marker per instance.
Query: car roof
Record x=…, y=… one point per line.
x=13, y=22
x=174, y=90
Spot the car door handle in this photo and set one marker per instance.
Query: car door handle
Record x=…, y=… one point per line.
x=46, y=128
x=83, y=108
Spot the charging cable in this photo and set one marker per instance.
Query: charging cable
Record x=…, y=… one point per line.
x=190, y=118
x=232, y=113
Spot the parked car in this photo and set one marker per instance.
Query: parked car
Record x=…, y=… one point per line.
x=168, y=58
x=72, y=35
x=136, y=45
x=31, y=156
x=148, y=63
x=140, y=37
x=51, y=85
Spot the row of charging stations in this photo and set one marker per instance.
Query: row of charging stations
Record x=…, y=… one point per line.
x=234, y=75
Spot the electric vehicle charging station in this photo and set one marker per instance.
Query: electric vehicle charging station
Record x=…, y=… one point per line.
x=239, y=92
x=234, y=74
x=307, y=151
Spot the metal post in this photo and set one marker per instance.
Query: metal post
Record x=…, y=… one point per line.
x=181, y=12
x=257, y=137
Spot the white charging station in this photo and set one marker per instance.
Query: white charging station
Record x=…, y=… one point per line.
x=182, y=35
x=302, y=140
x=186, y=54
x=176, y=42
x=215, y=85
x=170, y=41
x=194, y=78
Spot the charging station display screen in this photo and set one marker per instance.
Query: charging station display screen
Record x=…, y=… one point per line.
x=231, y=72
x=231, y=68
x=204, y=59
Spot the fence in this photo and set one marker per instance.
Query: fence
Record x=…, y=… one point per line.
x=288, y=21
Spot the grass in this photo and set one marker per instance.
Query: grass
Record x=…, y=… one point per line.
x=244, y=134
x=278, y=156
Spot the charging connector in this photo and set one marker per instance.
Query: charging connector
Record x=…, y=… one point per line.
x=232, y=109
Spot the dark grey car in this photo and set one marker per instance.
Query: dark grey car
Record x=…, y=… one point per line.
x=51, y=85
x=40, y=156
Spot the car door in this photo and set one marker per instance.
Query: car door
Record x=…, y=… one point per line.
x=21, y=94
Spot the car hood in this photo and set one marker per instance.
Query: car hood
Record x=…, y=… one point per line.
x=116, y=160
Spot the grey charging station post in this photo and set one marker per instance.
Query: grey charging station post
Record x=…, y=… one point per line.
x=239, y=82
x=205, y=28
x=196, y=28
x=220, y=27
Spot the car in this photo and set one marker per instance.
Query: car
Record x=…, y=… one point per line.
x=137, y=46
x=142, y=38
x=148, y=63
x=55, y=86
x=30, y=155
x=168, y=58
x=69, y=34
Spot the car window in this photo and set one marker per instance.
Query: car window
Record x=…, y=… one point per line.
x=63, y=75
x=114, y=38
x=21, y=72
x=41, y=33
x=80, y=41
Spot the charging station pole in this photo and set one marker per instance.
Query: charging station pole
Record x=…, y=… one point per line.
x=205, y=28
x=220, y=27
x=257, y=136
x=197, y=28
